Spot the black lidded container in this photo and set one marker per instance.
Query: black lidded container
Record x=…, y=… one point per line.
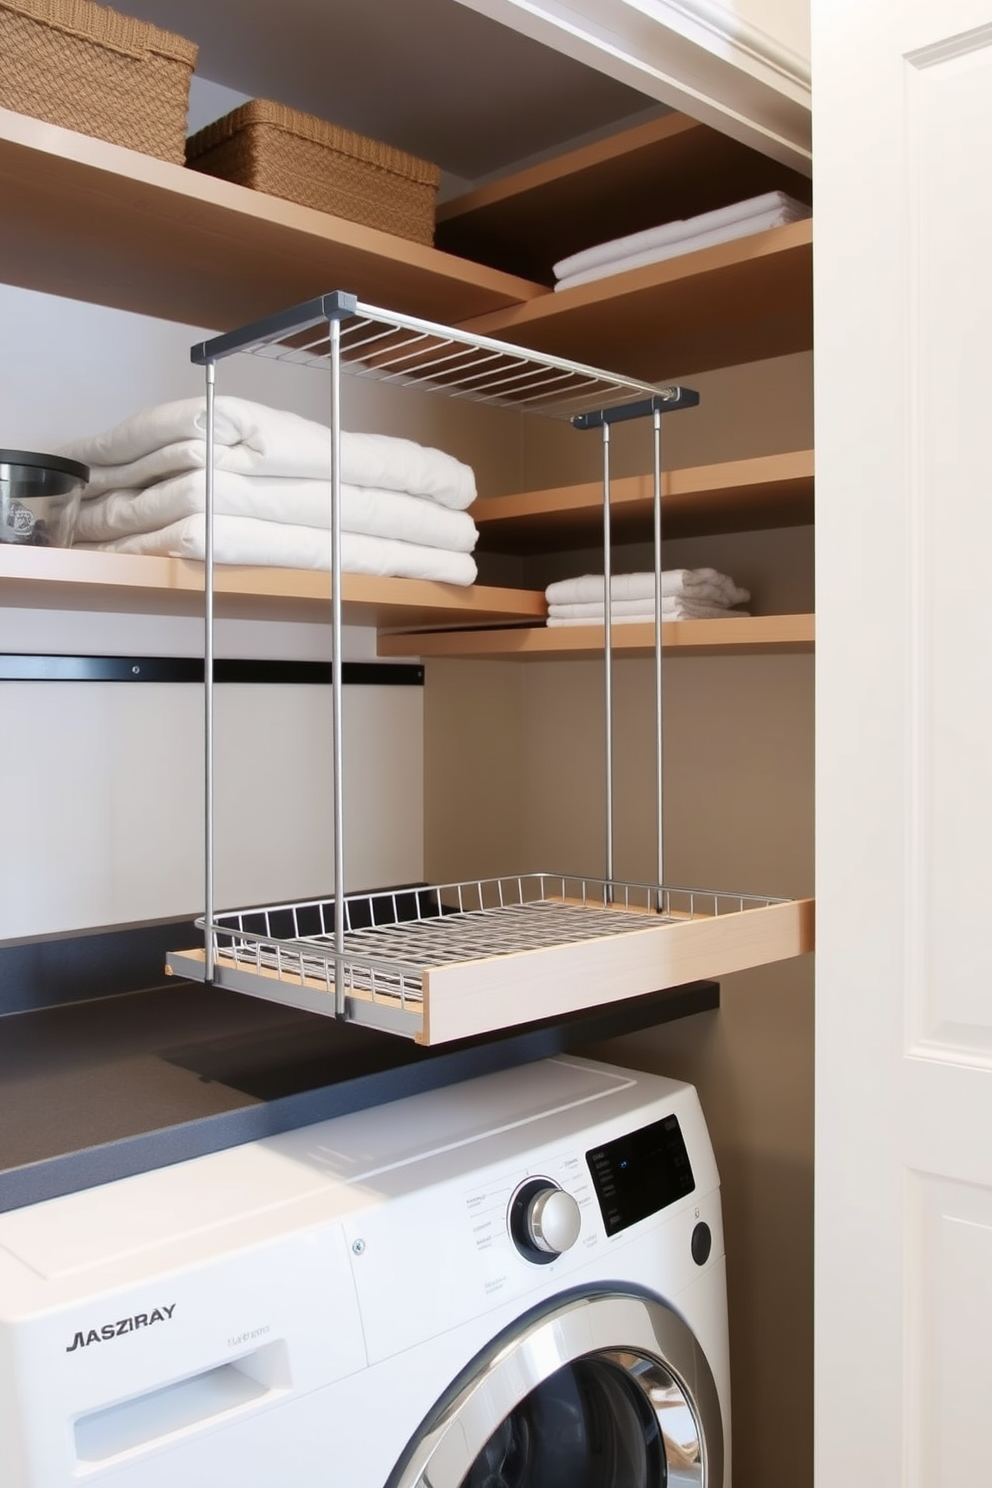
x=39, y=498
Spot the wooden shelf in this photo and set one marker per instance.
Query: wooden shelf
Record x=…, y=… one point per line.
x=734, y=496
x=752, y=635
x=96, y=222
x=664, y=169
x=741, y=301
x=66, y=578
x=401, y=609
x=92, y=221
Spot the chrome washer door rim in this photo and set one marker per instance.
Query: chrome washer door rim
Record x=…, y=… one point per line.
x=603, y=1324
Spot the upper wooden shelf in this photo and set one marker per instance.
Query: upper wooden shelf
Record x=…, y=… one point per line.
x=93, y=221
x=667, y=168
x=96, y=222
x=733, y=496
x=738, y=302
x=747, y=635
x=67, y=578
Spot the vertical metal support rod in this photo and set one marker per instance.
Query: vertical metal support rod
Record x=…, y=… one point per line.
x=608, y=652
x=208, y=678
x=336, y=668
x=658, y=715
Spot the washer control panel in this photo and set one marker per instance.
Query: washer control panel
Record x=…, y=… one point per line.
x=640, y=1173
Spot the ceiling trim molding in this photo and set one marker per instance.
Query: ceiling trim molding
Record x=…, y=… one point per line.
x=722, y=22
x=698, y=56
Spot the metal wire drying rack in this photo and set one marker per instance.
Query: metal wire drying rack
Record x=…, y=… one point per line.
x=376, y=958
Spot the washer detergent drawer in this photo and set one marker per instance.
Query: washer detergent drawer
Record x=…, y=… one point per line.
x=92, y=1383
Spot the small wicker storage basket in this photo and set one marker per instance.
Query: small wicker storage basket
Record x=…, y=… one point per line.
x=276, y=149
x=90, y=69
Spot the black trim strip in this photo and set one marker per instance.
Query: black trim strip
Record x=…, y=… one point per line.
x=678, y=397
x=338, y=305
x=25, y=668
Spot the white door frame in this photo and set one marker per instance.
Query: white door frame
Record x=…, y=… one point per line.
x=903, y=326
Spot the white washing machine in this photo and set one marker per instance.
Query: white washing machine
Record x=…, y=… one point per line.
x=516, y=1282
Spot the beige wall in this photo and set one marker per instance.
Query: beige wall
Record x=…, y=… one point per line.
x=760, y=409
x=515, y=782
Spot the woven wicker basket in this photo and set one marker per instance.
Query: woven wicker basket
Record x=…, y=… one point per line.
x=90, y=69
x=283, y=152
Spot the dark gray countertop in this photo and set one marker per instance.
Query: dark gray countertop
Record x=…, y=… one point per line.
x=101, y=1087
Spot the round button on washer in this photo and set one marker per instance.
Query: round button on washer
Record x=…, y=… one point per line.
x=701, y=1243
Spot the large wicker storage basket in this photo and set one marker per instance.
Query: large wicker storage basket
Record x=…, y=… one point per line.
x=279, y=150
x=90, y=69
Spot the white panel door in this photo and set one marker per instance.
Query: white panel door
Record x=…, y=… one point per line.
x=903, y=263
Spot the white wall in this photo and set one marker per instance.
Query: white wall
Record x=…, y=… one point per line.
x=104, y=824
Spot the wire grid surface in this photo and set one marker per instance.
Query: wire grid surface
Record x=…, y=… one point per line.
x=450, y=924
x=399, y=349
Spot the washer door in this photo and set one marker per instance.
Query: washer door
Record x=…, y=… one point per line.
x=604, y=1390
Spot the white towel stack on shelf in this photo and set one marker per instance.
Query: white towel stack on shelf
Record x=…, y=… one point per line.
x=403, y=505
x=757, y=214
x=686, y=594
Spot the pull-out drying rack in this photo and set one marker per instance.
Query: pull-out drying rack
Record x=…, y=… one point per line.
x=450, y=961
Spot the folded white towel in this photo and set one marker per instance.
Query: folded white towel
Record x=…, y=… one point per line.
x=675, y=238
x=622, y=611
x=640, y=609
x=675, y=608
x=280, y=545
x=305, y=503
x=253, y=439
x=705, y=584
x=678, y=231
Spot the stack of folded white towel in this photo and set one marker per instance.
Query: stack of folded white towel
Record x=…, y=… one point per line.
x=403, y=505
x=757, y=214
x=686, y=594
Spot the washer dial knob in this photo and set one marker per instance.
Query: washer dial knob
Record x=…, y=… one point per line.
x=554, y=1221
x=544, y=1220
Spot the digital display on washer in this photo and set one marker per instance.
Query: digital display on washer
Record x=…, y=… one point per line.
x=640, y=1173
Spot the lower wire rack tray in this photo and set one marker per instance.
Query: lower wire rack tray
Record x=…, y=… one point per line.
x=454, y=960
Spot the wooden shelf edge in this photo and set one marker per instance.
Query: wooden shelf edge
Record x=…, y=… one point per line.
x=71, y=578
x=571, y=163
x=793, y=237
x=755, y=634
x=742, y=301
x=662, y=168
x=774, y=480
x=480, y=996
x=137, y=198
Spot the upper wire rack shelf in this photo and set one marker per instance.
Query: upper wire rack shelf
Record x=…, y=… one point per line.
x=409, y=352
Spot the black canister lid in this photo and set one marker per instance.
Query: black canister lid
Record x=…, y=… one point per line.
x=26, y=475
x=57, y=463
